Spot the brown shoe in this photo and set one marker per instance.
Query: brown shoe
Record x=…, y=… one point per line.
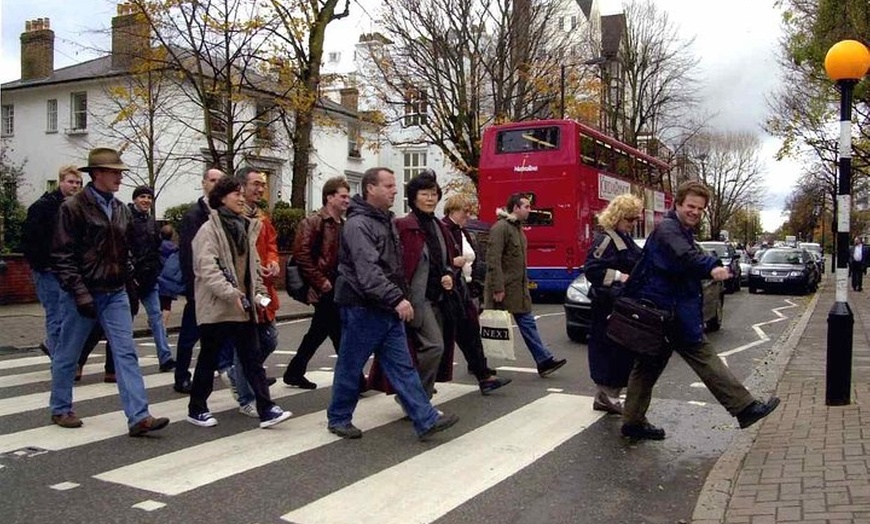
x=147, y=424
x=109, y=378
x=67, y=420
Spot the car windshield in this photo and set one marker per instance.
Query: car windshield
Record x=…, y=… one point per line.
x=780, y=256
x=811, y=247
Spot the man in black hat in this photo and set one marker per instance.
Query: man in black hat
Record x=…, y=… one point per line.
x=90, y=257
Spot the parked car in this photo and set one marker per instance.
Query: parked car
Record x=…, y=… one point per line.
x=728, y=255
x=785, y=269
x=818, y=253
x=745, y=266
x=578, y=305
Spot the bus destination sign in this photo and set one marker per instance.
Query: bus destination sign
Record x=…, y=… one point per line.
x=609, y=187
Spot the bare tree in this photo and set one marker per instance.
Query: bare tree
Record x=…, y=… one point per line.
x=448, y=68
x=730, y=167
x=658, y=68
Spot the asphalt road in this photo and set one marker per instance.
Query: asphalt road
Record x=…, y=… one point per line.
x=532, y=452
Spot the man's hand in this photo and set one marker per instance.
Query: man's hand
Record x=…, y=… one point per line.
x=720, y=273
x=87, y=309
x=405, y=311
x=326, y=287
x=498, y=296
x=459, y=261
x=447, y=282
x=271, y=270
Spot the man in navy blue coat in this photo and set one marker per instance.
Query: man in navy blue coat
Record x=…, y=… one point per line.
x=670, y=276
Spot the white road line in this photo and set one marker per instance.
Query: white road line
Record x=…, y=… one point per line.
x=197, y=466
x=517, y=370
x=24, y=362
x=426, y=487
x=64, y=486
x=111, y=425
x=544, y=315
x=149, y=505
x=762, y=336
x=22, y=379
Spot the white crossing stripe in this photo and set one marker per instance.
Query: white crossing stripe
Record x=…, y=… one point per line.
x=22, y=379
x=197, y=466
x=111, y=425
x=426, y=487
x=517, y=370
x=24, y=362
x=12, y=405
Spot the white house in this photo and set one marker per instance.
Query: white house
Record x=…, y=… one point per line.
x=54, y=117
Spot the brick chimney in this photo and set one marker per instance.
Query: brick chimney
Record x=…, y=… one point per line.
x=350, y=98
x=37, y=50
x=131, y=36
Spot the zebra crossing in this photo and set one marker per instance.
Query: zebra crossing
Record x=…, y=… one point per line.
x=163, y=474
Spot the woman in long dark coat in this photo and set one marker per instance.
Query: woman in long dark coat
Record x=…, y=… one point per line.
x=608, y=264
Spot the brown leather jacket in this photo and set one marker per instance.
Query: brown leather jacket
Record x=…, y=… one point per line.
x=315, y=249
x=90, y=253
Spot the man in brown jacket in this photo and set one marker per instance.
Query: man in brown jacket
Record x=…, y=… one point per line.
x=315, y=249
x=507, y=285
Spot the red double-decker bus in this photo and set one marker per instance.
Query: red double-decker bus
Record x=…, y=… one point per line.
x=570, y=172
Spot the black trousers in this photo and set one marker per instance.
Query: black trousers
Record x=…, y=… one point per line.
x=467, y=333
x=857, y=271
x=244, y=338
x=326, y=322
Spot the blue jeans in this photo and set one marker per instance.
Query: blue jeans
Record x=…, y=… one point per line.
x=151, y=300
x=113, y=314
x=529, y=332
x=49, y=292
x=267, y=334
x=365, y=331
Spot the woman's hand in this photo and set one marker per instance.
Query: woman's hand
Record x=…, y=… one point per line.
x=459, y=261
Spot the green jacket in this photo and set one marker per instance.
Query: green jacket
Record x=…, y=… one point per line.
x=506, y=266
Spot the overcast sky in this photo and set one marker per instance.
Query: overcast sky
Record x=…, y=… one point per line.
x=736, y=42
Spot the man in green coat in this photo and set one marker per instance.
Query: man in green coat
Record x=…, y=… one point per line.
x=507, y=285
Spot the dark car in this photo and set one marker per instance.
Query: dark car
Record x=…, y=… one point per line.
x=728, y=255
x=578, y=305
x=784, y=269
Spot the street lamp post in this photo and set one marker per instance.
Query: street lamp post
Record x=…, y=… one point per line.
x=562, y=72
x=847, y=62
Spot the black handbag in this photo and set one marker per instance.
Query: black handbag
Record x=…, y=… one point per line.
x=295, y=285
x=639, y=326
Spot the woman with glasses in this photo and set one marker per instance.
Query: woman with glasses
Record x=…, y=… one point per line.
x=610, y=260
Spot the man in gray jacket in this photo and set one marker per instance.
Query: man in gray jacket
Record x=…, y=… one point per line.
x=372, y=296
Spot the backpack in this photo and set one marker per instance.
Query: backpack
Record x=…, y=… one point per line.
x=294, y=281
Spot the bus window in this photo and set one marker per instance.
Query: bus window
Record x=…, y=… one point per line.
x=525, y=140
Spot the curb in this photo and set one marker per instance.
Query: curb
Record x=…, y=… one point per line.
x=716, y=493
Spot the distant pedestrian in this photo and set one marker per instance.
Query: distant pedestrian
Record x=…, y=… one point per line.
x=36, y=240
x=669, y=275
x=315, y=250
x=857, y=264
x=170, y=283
x=373, y=299
x=609, y=262
x=90, y=254
x=507, y=284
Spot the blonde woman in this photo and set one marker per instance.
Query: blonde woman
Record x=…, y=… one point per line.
x=610, y=260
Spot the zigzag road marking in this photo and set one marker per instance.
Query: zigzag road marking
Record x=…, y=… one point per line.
x=191, y=468
x=426, y=487
x=762, y=336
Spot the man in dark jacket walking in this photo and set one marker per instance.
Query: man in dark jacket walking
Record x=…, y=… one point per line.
x=36, y=245
x=90, y=254
x=669, y=275
x=372, y=296
x=195, y=217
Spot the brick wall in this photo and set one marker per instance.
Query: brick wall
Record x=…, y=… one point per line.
x=16, y=284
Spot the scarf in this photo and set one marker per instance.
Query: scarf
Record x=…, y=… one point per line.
x=235, y=227
x=436, y=255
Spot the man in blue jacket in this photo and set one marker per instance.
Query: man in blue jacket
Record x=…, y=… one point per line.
x=372, y=296
x=670, y=275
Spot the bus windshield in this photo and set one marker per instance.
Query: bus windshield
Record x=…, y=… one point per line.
x=525, y=140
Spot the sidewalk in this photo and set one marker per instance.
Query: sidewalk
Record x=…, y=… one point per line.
x=806, y=462
x=22, y=326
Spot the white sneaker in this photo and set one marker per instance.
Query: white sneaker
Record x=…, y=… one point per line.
x=204, y=420
x=249, y=409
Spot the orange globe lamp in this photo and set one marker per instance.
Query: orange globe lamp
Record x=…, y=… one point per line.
x=847, y=60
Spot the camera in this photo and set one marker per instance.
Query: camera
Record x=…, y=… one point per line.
x=262, y=300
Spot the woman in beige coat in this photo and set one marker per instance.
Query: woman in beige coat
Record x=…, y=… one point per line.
x=228, y=287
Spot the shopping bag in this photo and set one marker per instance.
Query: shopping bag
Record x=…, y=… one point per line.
x=497, y=334
x=639, y=326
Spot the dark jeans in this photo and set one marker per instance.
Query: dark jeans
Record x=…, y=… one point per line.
x=326, y=322
x=97, y=334
x=706, y=364
x=857, y=271
x=187, y=337
x=244, y=338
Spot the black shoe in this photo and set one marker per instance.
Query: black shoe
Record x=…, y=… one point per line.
x=548, y=367
x=349, y=431
x=756, y=411
x=184, y=388
x=443, y=422
x=169, y=365
x=645, y=431
x=492, y=383
x=300, y=382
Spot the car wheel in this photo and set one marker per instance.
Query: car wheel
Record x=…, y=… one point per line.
x=716, y=322
x=576, y=334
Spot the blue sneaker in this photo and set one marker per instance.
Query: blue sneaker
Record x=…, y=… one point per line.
x=204, y=420
x=272, y=416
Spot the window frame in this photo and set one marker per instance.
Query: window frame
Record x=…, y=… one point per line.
x=51, y=115
x=412, y=169
x=7, y=126
x=416, y=108
x=78, y=116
